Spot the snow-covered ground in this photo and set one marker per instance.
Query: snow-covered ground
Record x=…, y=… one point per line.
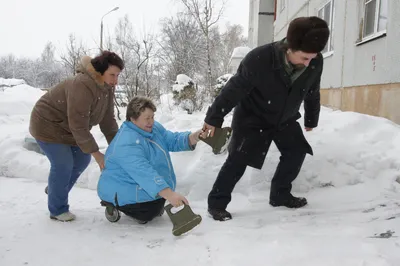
x=352, y=185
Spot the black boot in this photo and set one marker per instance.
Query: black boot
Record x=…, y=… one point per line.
x=46, y=190
x=220, y=215
x=289, y=202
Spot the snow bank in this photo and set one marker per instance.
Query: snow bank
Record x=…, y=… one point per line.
x=240, y=52
x=18, y=99
x=349, y=149
x=10, y=82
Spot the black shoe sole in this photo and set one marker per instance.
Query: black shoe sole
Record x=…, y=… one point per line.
x=222, y=219
x=290, y=206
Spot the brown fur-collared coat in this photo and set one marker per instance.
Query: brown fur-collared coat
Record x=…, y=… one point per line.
x=68, y=111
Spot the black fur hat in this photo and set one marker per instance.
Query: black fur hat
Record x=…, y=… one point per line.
x=307, y=34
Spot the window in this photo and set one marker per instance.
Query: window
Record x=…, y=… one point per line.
x=282, y=5
x=327, y=14
x=375, y=17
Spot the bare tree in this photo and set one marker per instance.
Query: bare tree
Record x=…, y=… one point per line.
x=207, y=14
x=123, y=34
x=182, y=46
x=8, y=67
x=49, y=70
x=74, y=52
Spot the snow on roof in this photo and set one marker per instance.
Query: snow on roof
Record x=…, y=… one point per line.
x=240, y=52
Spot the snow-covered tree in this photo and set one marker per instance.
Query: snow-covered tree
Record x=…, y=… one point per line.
x=187, y=94
x=207, y=14
x=221, y=81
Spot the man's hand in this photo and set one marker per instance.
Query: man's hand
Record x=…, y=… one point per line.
x=208, y=131
x=308, y=128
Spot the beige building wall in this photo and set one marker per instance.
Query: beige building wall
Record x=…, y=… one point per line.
x=381, y=100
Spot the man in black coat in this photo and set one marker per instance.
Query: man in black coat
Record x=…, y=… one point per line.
x=267, y=91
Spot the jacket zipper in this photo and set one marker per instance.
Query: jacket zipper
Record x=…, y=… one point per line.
x=166, y=157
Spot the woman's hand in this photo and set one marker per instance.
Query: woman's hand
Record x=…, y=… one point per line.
x=174, y=198
x=99, y=157
x=195, y=137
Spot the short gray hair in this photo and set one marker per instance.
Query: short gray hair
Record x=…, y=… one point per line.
x=137, y=106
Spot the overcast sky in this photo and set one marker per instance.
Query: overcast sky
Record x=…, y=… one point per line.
x=27, y=25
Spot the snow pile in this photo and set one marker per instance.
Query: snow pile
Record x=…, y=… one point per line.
x=240, y=52
x=18, y=99
x=10, y=82
x=349, y=148
x=181, y=82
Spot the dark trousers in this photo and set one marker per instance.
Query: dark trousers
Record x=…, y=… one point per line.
x=145, y=211
x=66, y=165
x=291, y=160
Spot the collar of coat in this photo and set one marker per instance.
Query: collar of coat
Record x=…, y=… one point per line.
x=142, y=132
x=86, y=67
x=279, y=50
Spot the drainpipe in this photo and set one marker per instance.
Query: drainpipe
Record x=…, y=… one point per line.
x=344, y=50
x=266, y=18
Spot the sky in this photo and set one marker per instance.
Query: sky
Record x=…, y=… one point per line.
x=27, y=25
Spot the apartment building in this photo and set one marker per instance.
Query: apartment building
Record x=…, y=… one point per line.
x=362, y=57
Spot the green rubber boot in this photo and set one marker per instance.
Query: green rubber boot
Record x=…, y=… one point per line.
x=219, y=142
x=184, y=220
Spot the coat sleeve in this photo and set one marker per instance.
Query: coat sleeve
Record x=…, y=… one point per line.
x=237, y=87
x=139, y=168
x=108, y=124
x=176, y=141
x=79, y=101
x=312, y=104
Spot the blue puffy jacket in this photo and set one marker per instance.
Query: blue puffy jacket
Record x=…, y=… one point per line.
x=138, y=164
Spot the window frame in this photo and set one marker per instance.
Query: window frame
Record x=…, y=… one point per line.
x=376, y=33
x=331, y=48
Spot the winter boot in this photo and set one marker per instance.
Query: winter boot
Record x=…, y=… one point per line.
x=64, y=217
x=220, y=140
x=220, y=215
x=289, y=202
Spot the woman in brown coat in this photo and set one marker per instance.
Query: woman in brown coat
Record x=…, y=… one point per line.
x=62, y=119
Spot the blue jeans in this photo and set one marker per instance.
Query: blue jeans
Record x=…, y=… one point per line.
x=67, y=164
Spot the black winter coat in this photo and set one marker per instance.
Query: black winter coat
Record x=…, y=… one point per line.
x=266, y=103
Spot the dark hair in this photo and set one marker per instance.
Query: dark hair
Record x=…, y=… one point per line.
x=102, y=62
x=307, y=34
x=137, y=106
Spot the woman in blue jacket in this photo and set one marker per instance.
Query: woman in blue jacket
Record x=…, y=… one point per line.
x=138, y=176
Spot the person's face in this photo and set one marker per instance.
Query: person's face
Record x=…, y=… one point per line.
x=111, y=75
x=145, y=121
x=299, y=58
